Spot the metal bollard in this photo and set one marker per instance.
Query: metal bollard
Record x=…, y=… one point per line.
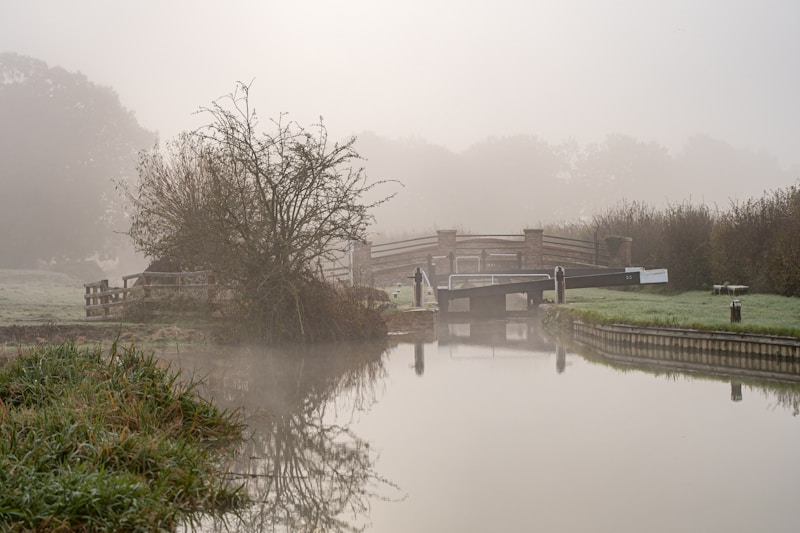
x=560, y=285
x=417, y=277
x=736, y=311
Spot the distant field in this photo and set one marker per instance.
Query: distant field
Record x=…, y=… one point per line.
x=34, y=297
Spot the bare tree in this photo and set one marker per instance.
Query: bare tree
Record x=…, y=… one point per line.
x=262, y=209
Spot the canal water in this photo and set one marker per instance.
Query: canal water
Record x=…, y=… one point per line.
x=494, y=426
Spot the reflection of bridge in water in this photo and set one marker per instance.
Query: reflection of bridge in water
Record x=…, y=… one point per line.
x=514, y=335
x=522, y=337
x=525, y=339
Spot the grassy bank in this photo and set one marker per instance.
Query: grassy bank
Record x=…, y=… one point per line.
x=761, y=313
x=33, y=297
x=38, y=306
x=402, y=298
x=94, y=441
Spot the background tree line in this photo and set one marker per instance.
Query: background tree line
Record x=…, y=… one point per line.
x=754, y=242
x=503, y=184
x=63, y=142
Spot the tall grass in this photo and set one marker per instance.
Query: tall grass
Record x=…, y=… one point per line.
x=110, y=441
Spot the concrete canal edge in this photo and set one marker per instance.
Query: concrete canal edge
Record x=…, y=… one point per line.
x=767, y=356
x=621, y=336
x=719, y=352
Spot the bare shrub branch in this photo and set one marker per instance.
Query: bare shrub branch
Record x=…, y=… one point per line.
x=259, y=208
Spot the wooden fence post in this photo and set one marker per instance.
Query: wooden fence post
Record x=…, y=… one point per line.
x=105, y=299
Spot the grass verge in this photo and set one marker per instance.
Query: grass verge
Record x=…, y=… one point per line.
x=761, y=313
x=40, y=297
x=94, y=441
x=402, y=298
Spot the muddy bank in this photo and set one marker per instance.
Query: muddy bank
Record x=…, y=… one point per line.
x=82, y=334
x=159, y=334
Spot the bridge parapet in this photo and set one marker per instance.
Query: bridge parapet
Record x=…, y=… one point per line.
x=448, y=252
x=446, y=241
x=361, y=270
x=534, y=248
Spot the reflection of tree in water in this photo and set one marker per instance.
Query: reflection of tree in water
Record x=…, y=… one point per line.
x=304, y=467
x=786, y=396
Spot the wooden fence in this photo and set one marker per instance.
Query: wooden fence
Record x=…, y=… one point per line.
x=103, y=302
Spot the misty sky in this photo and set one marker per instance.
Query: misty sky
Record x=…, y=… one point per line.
x=452, y=72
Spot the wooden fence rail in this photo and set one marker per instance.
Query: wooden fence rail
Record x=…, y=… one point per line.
x=103, y=302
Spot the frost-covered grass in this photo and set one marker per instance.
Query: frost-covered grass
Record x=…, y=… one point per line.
x=761, y=313
x=403, y=297
x=94, y=441
x=34, y=297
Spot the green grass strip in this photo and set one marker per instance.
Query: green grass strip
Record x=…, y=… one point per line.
x=766, y=314
x=93, y=441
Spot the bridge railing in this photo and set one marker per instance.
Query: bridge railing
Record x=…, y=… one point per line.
x=390, y=262
x=447, y=252
x=387, y=249
x=574, y=252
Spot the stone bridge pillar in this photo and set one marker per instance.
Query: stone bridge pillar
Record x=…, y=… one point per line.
x=534, y=249
x=446, y=246
x=361, y=268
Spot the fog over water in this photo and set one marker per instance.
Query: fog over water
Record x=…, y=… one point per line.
x=495, y=426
